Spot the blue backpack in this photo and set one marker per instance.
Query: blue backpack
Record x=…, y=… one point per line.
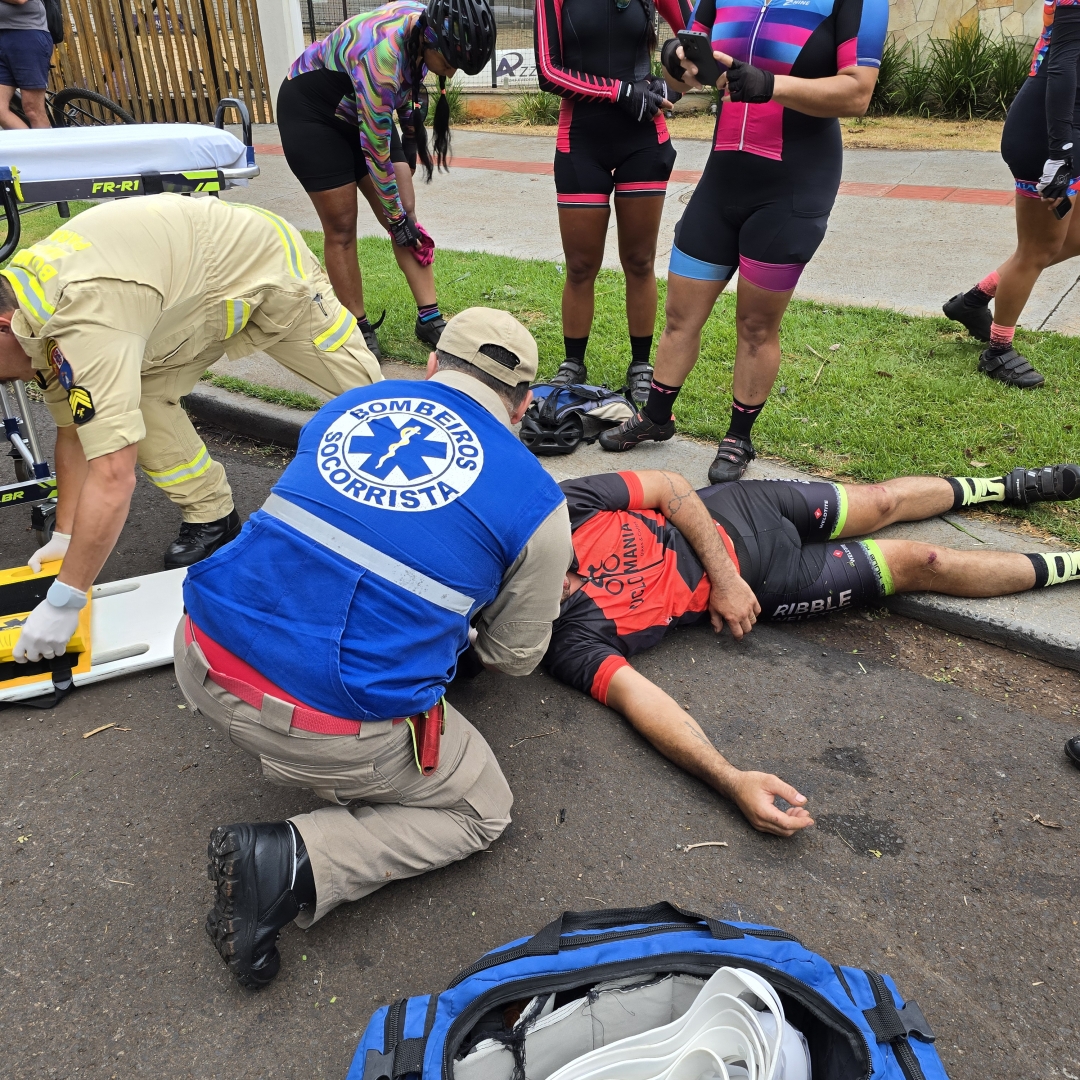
x=561, y=418
x=644, y=966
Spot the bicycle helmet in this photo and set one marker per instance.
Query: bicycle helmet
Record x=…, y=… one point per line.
x=464, y=32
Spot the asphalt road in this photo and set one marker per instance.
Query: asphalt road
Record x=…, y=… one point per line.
x=972, y=906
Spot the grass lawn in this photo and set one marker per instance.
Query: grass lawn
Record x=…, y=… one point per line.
x=863, y=393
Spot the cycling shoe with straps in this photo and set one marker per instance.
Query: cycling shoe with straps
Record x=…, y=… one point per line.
x=1052, y=483
x=733, y=455
x=1010, y=368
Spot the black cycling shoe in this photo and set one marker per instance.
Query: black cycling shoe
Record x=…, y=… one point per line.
x=571, y=370
x=638, y=429
x=975, y=317
x=198, y=539
x=370, y=339
x=430, y=332
x=1072, y=748
x=733, y=455
x=251, y=867
x=1009, y=367
x=1053, y=483
x=638, y=379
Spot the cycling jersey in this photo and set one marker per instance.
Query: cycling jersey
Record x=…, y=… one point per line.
x=371, y=49
x=1024, y=143
x=1042, y=46
x=642, y=577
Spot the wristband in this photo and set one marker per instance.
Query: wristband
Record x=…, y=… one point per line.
x=64, y=596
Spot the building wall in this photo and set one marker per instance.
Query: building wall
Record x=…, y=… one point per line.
x=917, y=21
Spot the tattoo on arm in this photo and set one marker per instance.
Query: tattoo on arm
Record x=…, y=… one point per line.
x=697, y=734
x=676, y=500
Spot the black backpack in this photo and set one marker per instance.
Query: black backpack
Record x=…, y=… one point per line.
x=56, y=20
x=562, y=417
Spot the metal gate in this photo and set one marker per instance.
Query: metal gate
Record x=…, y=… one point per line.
x=166, y=60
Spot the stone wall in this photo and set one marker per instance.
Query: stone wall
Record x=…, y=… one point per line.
x=917, y=21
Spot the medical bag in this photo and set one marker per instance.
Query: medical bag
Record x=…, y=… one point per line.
x=561, y=418
x=588, y=979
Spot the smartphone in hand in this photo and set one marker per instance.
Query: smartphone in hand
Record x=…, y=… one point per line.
x=1063, y=207
x=699, y=50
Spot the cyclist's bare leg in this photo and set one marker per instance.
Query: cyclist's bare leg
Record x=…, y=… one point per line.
x=33, y=105
x=758, y=313
x=337, y=213
x=638, y=221
x=908, y=498
x=8, y=120
x=421, y=279
x=584, y=234
x=917, y=567
x=689, y=304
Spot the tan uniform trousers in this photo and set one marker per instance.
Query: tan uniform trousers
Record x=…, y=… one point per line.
x=390, y=821
x=173, y=456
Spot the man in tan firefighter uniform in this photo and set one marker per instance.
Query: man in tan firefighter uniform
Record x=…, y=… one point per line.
x=118, y=316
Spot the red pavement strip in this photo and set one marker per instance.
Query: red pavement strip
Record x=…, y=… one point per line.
x=978, y=196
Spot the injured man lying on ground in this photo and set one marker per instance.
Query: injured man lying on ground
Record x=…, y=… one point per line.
x=650, y=553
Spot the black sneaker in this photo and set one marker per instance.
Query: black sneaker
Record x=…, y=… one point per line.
x=1072, y=748
x=429, y=332
x=1054, y=483
x=638, y=379
x=198, y=539
x=638, y=429
x=732, y=457
x=371, y=341
x=571, y=370
x=975, y=317
x=251, y=867
x=1008, y=366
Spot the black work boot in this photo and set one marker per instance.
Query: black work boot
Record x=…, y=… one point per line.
x=638, y=379
x=198, y=539
x=258, y=893
x=571, y=371
x=429, y=332
x=732, y=457
x=975, y=318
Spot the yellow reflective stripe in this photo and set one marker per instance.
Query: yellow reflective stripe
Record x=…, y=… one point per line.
x=237, y=313
x=164, y=478
x=841, y=513
x=29, y=293
x=337, y=333
x=877, y=557
x=285, y=231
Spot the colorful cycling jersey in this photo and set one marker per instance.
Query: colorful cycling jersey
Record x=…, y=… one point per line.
x=586, y=49
x=1042, y=46
x=809, y=39
x=371, y=49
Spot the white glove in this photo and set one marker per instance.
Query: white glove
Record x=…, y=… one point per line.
x=56, y=548
x=46, y=633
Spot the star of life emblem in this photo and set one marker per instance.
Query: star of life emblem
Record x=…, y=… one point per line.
x=400, y=453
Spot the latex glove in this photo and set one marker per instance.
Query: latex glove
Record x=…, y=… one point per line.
x=46, y=633
x=639, y=100
x=1054, y=182
x=56, y=548
x=403, y=231
x=748, y=83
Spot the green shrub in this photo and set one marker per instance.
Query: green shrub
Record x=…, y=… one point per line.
x=535, y=109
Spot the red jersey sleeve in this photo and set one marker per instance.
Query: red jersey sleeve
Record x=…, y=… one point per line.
x=591, y=495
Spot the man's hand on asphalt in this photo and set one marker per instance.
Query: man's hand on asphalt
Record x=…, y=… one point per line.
x=733, y=602
x=753, y=793
x=45, y=633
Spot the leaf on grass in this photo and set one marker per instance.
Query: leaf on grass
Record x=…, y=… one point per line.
x=885, y=374
x=978, y=464
x=833, y=348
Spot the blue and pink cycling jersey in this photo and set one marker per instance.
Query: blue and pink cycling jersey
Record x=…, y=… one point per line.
x=808, y=39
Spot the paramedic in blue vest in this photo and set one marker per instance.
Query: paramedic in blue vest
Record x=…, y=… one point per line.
x=322, y=639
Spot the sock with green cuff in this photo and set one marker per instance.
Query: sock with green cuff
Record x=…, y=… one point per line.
x=1055, y=567
x=972, y=490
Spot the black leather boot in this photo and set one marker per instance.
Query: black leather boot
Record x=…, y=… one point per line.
x=258, y=893
x=198, y=539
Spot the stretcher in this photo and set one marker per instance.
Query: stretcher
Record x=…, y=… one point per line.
x=117, y=161
x=126, y=626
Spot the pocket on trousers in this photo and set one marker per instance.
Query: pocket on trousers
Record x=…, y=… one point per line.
x=341, y=785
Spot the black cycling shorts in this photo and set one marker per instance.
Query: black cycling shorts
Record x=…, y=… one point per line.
x=323, y=151
x=600, y=149
x=762, y=217
x=784, y=533
x=1025, y=145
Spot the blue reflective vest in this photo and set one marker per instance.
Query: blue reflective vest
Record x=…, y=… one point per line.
x=353, y=586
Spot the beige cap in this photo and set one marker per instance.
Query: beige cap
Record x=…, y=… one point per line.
x=470, y=330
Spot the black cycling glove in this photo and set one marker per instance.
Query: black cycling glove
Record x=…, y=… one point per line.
x=748, y=83
x=1054, y=182
x=639, y=99
x=660, y=86
x=672, y=64
x=404, y=232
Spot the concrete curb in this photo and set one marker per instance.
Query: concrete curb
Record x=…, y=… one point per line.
x=1018, y=623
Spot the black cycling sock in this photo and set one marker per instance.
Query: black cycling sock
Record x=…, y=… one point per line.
x=640, y=349
x=971, y=490
x=363, y=323
x=742, y=419
x=575, y=347
x=1053, y=568
x=660, y=402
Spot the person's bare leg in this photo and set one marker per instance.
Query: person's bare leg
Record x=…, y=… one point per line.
x=689, y=305
x=917, y=567
x=421, y=279
x=8, y=120
x=337, y=213
x=1039, y=240
x=758, y=313
x=638, y=223
x=909, y=498
x=584, y=234
x=33, y=105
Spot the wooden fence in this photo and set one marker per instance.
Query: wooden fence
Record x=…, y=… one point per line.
x=166, y=60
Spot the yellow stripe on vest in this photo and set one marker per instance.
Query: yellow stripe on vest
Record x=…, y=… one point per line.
x=339, y=331
x=164, y=478
x=237, y=313
x=29, y=293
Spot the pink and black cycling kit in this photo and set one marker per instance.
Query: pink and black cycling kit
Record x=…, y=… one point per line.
x=763, y=202
x=585, y=51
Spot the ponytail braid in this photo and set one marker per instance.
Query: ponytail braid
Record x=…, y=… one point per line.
x=442, y=108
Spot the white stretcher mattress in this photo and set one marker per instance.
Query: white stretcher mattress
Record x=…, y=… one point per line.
x=119, y=149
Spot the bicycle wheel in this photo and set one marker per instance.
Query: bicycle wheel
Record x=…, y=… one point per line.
x=75, y=107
